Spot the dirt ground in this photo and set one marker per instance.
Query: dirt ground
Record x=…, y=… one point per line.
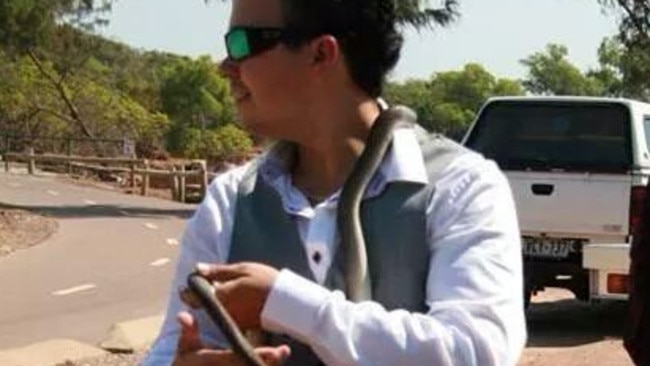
x=564, y=331
x=20, y=229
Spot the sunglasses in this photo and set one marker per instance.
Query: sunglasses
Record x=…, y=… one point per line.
x=245, y=42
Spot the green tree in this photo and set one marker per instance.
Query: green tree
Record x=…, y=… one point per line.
x=31, y=106
x=24, y=98
x=634, y=25
x=193, y=90
x=219, y=144
x=416, y=95
x=634, y=45
x=624, y=70
x=28, y=24
x=194, y=96
x=621, y=72
x=609, y=72
x=551, y=73
x=418, y=14
x=448, y=101
x=63, y=81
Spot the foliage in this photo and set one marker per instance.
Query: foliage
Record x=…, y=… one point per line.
x=193, y=92
x=59, y=79
x=27, y=24
x=448, y=101
x=194, y=96
x=634, y=26
x=415, y=13
x=551, y=73
x=218, y=144
x=31, y=105
x=621, y=72
x=633, y=45
x=23, y=98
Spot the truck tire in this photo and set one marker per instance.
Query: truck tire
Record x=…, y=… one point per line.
x=528, y=295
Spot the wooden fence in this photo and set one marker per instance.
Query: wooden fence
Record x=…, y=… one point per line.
x=177, y=173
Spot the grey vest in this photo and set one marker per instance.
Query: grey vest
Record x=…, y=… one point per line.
x=394, y=225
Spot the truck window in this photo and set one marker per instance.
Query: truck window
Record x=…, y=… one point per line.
x=566, y=136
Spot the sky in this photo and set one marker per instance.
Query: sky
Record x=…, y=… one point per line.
x=494, y=33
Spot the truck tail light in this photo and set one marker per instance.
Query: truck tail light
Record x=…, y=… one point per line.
x=637, y=201
x=617, y=283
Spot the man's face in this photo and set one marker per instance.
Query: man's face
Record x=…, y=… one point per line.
x=267, y=83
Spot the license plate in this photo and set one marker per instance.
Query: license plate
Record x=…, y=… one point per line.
x=557, y=248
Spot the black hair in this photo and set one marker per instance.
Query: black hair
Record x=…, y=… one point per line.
x=365, y=29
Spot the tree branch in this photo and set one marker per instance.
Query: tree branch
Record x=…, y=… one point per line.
x=72, y=109
x=635, y=19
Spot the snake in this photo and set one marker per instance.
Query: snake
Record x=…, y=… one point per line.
x=352, y=242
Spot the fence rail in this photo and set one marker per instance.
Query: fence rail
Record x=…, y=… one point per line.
x=65, y=144
x=177, y=172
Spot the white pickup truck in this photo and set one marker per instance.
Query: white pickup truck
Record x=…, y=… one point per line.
x=578, y=167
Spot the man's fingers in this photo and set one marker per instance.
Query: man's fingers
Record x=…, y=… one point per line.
x=189, y=298
x=274, y=355
x=221, y=272
x=189, y=339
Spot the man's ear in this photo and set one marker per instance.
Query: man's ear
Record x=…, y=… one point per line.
x=325, y=51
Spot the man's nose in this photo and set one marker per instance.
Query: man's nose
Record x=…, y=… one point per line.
x=229, y=68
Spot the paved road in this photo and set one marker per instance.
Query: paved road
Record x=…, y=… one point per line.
x=110, y=260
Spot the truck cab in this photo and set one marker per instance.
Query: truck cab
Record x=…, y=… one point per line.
x=577, y=167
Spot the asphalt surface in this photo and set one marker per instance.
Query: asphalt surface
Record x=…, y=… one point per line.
x=110, y=260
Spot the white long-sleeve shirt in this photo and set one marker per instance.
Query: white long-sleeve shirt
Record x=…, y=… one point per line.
x=474, y=286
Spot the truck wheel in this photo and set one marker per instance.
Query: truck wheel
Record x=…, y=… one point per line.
x=528, y=295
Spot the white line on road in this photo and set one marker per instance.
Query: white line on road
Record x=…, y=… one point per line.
x=73, y=290
x=52, y=193
x=159, y=262
x=90, y=202
x=151, y=226
x=172, y=241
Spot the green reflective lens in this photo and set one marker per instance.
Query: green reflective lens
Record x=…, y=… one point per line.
x=237, y=44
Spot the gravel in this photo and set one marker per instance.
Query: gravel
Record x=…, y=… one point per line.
x=109, y=359
x=20, y=229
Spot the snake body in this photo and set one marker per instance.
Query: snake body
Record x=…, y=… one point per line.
x=358, y=287
x=357, y=280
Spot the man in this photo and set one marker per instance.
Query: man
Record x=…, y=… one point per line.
x=637, y=332
x=444, y=249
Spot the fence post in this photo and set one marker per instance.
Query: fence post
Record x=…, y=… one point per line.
x=31, y=164
x=6, y=159
x=204, y=177
x=69, y=153
x=132, y=177
x=145, y=178
x=173, y=182
x=181, y=188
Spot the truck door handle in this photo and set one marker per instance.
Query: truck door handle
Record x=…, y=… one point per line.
x=542, y=189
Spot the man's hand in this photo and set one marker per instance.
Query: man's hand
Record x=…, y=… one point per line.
x=242, y=288
x=192, y=352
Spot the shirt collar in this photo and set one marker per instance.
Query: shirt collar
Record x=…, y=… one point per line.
x=403, y=161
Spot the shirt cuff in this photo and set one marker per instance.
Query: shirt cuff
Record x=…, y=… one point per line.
x=292, y=306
